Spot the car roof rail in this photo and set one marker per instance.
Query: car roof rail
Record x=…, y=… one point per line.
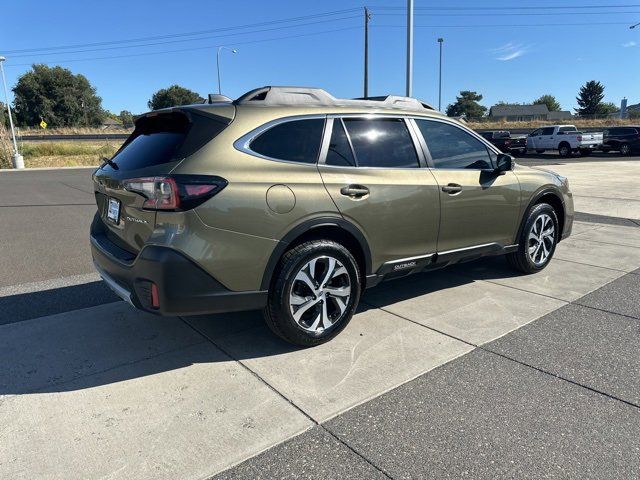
x=303, y=96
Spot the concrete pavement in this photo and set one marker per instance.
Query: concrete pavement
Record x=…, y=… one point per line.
x=469, y=371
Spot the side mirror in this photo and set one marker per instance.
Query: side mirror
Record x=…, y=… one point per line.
x=504, y=163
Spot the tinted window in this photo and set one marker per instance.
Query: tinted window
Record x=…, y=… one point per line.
x=383, y=142
x=548, y=131
x=164, y=138
x=295, y=141
x=567, y=129
x=452, y=147
x=487, y=135
x=628, y=131
x=339, y=152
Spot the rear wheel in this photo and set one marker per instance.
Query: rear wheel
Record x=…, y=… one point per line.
x=564, y=149
x=625, y=149
x=315, y=293
x=538, y=240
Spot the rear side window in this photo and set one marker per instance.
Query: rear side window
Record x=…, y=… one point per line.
x=339, y=153
x=452, y=147
x=567, y=129
x=294, y=141
x=381, y=142
x=165, y=138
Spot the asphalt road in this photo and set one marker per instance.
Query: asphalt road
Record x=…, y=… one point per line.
x=472, y=371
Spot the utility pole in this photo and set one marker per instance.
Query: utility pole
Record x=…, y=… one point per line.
x=18, y=161
x=409, y=91
x=367, y=17
x=440, y=41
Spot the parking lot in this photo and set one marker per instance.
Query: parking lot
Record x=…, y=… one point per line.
x=469, y=371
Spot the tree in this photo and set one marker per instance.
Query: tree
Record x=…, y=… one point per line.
x=126, y=117
x=550, y=101
x=173, y=96
x=58, y=97
x=467, y=105
x=607, y=108
x=590, y=98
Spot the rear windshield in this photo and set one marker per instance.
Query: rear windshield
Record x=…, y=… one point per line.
x=165, y=138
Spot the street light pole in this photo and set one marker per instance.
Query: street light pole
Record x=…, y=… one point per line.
x=634, y=26
x=220, y=48
x=409, y=90
x=440, y=41
x=18, y=161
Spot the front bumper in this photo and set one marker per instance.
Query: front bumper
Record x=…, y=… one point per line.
x=183, y=287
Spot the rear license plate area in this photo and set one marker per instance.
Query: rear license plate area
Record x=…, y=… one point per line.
x=113, y=210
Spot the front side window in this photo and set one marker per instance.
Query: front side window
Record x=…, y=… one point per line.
x=548, y=131
x=535, y=133
x=294, y=141
x=452, y=147
x=381, y=142
x=339, y=153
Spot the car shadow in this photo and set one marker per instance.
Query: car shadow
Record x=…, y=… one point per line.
x=112, y=342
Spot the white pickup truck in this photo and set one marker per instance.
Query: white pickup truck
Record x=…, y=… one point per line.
x=566, y=139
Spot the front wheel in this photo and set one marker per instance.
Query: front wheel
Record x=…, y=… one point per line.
x=538, y=240
x=315, y=293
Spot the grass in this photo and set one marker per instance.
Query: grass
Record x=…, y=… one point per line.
x=74, y=131
x=67, y=154
x=579, y=123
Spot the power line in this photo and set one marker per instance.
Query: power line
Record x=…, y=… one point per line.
x=208, y=47
x=184, y=40
x=185, y=34
x=484, y=25
x=536, y=7
x=504, y=14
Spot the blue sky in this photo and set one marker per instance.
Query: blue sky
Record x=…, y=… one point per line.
x=484, y=50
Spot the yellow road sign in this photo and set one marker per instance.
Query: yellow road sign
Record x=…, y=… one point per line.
x=43, y=124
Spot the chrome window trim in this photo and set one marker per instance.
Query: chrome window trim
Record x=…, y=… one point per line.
x=243, y=144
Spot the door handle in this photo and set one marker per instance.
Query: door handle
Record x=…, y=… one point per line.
x=354, y=191
x=452, y=188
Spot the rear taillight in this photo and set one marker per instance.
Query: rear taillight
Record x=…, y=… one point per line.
x=177, y=192
x=579, y=138
x=507, y=142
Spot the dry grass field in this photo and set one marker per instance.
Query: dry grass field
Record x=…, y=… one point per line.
x=67, y=154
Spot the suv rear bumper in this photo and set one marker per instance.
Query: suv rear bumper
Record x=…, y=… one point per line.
x=183, y=287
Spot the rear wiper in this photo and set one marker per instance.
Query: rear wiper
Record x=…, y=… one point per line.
x=108, y=161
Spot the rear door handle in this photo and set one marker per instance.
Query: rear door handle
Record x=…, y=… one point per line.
x=354, y=191
x=452, y=188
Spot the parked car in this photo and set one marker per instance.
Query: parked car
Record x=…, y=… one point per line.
x=566, y=139
x=507, y=143
x=625, y=140
x=292, y=201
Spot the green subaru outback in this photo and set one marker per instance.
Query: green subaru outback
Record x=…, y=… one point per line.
x=292, y=201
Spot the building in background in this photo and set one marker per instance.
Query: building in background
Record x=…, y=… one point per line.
x=518, y=113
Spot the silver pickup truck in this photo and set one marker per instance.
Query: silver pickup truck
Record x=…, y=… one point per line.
x=566, y=139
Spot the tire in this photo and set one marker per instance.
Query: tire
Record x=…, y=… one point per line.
x=539, y=151
x=585, y=152
x=625, y=149
x=298, y=284
x=523, y=258
x=564, y=149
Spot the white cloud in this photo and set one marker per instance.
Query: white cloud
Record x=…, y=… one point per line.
x=510, y=51
x=629, y=44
